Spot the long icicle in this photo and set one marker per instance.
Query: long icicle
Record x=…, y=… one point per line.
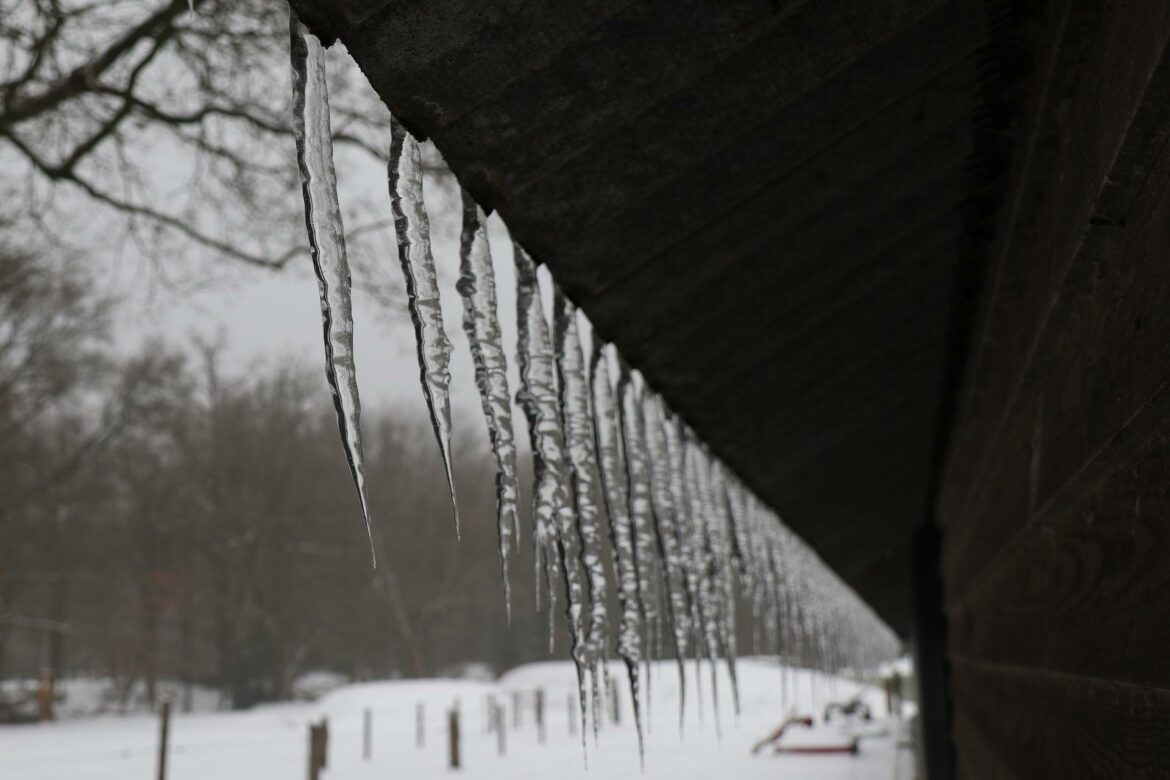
x=607, y=427
x=537, y=397
x=743, y=551
x=772, y=599
x=578, y=423
x=753, y=579
x=413, y=231
x=709, y=622
x=721, y=547
x=542, y=405
x=680, y=495
x=481, y=322
x=637, y=470
x=664, y=517
x=314, y=143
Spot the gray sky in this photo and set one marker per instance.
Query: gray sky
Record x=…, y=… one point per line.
x=273, y=317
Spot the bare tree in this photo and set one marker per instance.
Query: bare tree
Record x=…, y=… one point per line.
x=51, y=334
x=172, y=120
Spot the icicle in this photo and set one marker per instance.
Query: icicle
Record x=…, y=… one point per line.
x=741, y=534
x=607, y=427
x=554, y=531
x=422, y=287
x=685, y=543
x=477, y=285
x=666, y=537
x=637, y=471
x=578, y=425
x=327, y=244
x=773, y=601
x=721, y=542
x=751, y=566
x=709, y=603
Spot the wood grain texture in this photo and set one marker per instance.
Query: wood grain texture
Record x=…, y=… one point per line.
x=821, y=145
x=1105, y=61
x=1084, y=590
x=611, y=183
x=1056, y=494
x=1026, y=723
x=808, y=225
x=1086, y=369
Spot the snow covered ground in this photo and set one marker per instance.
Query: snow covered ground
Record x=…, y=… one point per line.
x=271, y=741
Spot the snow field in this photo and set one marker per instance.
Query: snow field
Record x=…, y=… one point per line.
x=271, y=741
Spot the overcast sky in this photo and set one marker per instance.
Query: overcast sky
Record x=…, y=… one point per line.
x=273, y=317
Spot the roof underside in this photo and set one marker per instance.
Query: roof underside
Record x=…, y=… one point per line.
x=769, y=207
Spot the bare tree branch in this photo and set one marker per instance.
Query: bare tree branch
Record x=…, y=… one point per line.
x=83, y=77
x=213, y=83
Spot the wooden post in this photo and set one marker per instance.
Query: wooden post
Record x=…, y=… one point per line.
x=420, y=726
x=46, y=693
x=367, y=733
x=501, y=729
x=539, y=706
x=318, y=748
x=453, y=736
x=515, y=709
x=164, y=735
x=615, y=703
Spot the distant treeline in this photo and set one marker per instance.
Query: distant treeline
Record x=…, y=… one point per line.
x=162, y=519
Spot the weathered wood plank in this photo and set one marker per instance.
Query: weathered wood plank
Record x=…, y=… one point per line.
x=432, y=61
x=736, y=172
x=801, y=165
x=1099, y=359
x=659, y=47
x=664, y=175
x=1107, y=354
x=974, y=537
x=730, y=348
x=1102, y=79
x=975, y=752
x=793, y=240
x=600, y=148
x=852, y=386
x=1085, y=588
x=1039, y=724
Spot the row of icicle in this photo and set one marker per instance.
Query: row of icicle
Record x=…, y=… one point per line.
x=614, y=468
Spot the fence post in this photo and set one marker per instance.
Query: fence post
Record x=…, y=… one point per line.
x=515, y=709
x=420, y=725
x=46, y=695
x=539, y=706
x=615, y=704
x=501, y=729
x=453, y=736
x=164, y=735
x=318, y=748
x=314, y=750
x=367, y=733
